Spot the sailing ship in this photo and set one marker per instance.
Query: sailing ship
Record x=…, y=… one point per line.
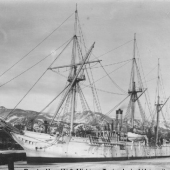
x=98, y=145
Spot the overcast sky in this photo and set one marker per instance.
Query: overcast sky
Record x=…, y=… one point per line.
x=109, y=23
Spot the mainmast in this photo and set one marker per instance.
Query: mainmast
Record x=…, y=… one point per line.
x=76, y=75
x=133, y=91
x=73, y=72
x=157, y=107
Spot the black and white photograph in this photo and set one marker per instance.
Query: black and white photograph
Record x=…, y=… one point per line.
x=84, y=85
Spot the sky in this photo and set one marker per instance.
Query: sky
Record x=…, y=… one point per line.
x=110, y=24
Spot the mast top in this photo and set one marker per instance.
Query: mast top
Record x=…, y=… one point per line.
x=158, y=80
x=134, y=46
x=158, y=68
x=75, y=24
x=134, y=36
x=76, y=8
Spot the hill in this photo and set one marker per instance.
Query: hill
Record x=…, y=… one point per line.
x=23, y=117
x=19, y=116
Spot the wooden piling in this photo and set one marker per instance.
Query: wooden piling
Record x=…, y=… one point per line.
x=10, y=163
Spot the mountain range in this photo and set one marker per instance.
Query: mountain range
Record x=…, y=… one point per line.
x=19, y=116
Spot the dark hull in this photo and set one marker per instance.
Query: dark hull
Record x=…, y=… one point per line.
x=42, y=160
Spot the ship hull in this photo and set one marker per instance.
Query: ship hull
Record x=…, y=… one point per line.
x=78, y=149
x=41, y=160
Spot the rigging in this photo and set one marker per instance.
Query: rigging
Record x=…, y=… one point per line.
x=147, y=93
x=37, y=81
x=36, y=46
x=33, y=65
x=92, y=84
x=159, y=106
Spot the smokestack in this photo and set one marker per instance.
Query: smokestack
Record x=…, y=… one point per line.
x=112, y=126
x=117, y=115
x=119, y=112
x=121, y=120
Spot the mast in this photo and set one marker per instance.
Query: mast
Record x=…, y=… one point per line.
x=133, y=84
x=157, y=107
x=76, y=75
x=73, y=91
x=133, y=91
x=73, y=80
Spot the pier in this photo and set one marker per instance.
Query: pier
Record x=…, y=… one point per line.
x=14, y=155
x=148, y=164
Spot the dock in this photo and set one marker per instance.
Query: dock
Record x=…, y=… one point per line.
x=15, y=155
x=142, y=164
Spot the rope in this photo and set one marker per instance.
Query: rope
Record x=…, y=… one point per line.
x=146, y=86
x=37, y=80
x=97, y=98
x=163, y=89
x=117, y=105
x=109, y=64
x=52, y=101
x=103, y=90
x=36, y=46
x=73, y=81
x=166, y=124
x=83, y=99
x=80, y=52
x=150, y=80
x=94, y=92
x=89, y=85
x=114, y=48
x=127, y=115
x=67, y=104
x=131, y=75
x=34, y=65
x=150, y=71
x=105, y=54
x=142, y=112
x=138, y=73
x=110, y=72
x=112, y=80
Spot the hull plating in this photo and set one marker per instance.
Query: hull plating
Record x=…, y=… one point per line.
x=77, y=149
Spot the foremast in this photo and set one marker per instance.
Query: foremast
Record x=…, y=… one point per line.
x=75, y=76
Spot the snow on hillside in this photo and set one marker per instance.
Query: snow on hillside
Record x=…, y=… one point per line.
x=19, y=116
